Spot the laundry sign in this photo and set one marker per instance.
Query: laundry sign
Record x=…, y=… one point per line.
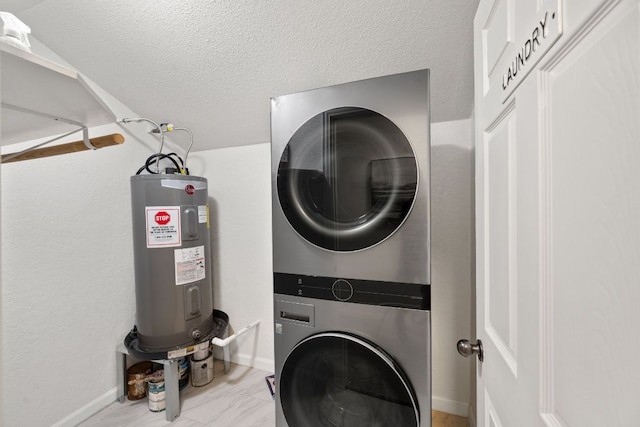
x=544, y=30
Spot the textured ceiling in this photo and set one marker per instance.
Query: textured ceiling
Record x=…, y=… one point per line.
x=212, y=66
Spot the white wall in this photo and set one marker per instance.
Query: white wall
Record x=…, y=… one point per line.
x=67, y=278
x=240, y=209
x=68, y=285
x=1, y=292
x=452, y=260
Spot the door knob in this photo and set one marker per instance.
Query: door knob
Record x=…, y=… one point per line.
x=466, y=349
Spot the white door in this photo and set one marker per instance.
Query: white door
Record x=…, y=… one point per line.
x=558, y=212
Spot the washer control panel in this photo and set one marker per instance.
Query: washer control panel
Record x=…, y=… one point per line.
x=357, y=291
x=342, y=290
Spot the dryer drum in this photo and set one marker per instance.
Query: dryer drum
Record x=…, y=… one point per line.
x=337, y=379
x=347, y=179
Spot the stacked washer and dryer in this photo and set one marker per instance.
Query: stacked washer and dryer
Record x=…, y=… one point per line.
x=351, y=254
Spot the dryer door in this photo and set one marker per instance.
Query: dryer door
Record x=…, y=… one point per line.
x=336, y=379
x=347, y=179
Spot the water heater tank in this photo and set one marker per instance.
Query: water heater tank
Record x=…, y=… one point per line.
x=172, y=255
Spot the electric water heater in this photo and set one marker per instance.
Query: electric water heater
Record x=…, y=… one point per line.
x=172, y=255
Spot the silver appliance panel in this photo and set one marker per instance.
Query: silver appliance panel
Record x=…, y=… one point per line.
x=404, y=255
x=403, y=334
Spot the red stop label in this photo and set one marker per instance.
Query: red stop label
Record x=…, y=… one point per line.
x=162, y=218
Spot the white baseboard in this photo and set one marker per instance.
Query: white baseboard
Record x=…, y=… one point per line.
x=450, y=406
x=471, y=417
x=89, y=409
x=247, y=360
x=255, y=362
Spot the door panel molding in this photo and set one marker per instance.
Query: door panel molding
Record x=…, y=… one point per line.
x=491, y=415
x=545, y=180
x=501, y=290
x=603, y=32
x=555, y=56
x=498, y=35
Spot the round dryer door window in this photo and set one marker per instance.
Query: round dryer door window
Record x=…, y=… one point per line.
x=338, y=380
x=347, y=179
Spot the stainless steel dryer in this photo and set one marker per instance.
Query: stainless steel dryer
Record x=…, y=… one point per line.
x=361, y=363
x=350, y=180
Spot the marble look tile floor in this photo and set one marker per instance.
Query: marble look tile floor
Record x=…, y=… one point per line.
x=240, y=398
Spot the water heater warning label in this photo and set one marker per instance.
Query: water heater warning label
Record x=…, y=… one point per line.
x=203, y=214
x=163, y=226
x=190, y=265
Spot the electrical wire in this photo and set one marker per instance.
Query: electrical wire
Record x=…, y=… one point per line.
x=189, y=148
x=144, y=119
x=157, y=157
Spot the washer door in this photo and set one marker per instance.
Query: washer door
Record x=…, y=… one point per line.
x=347, y=179
x=338, y=380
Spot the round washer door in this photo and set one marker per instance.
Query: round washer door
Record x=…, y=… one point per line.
x=347, y=179
x=336, y=379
